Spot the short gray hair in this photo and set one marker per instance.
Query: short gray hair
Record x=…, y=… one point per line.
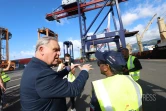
x=44, y=41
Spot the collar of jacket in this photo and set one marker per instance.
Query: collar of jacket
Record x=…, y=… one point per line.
x=40, y=62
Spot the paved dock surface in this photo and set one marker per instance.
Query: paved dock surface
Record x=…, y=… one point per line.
x=153, y=82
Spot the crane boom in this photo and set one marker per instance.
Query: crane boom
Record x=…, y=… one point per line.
x=147, y=27
x=139, y=37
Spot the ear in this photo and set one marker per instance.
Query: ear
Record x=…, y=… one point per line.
x=108, y=66
x=41, y=50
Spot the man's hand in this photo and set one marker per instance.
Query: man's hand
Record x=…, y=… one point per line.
x=62, y=66
x=2, y=87
x=86, y=67
x=74, y=66
x=73, y=71
x=125, y=70
x=9, y=62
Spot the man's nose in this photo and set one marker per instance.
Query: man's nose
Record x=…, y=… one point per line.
x=59, y=53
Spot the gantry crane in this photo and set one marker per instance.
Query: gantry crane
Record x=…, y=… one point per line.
x=5, y=35
x=68, y=49
x=93, y=47
x=74, y=8
x=139, y=37
x=47, y=32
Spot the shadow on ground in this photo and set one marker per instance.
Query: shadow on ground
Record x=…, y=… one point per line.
x=154, y=97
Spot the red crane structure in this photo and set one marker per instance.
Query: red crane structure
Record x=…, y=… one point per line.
x=79, y=8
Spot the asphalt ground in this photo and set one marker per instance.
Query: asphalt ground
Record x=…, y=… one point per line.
x=153, y=83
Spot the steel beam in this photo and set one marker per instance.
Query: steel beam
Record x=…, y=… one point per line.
x=100, y=41
x=102, y=36
x=95, y=18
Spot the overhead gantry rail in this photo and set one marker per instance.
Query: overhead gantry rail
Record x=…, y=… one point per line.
x=62, y=12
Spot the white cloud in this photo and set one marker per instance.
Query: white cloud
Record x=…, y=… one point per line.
x=136, y=15
x=144, y=10
x=22, y=54
x=139, y=27
x=27, y=53
x=129, y=18
x=152, y=33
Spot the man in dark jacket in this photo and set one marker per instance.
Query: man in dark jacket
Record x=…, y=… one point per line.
x=43, y=89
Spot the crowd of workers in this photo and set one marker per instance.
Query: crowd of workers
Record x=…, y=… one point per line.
x=44, y=89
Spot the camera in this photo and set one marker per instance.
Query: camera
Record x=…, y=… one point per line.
x=67, y=63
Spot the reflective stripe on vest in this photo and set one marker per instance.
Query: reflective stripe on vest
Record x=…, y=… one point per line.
x=118, y=93
x=103, y=96
x=138, y=91
x=5, y=77
x=135, y=75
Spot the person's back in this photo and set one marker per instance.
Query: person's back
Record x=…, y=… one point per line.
x=118, y=93
x=29, y=91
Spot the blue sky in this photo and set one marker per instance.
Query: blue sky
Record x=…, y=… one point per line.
x=23, y=17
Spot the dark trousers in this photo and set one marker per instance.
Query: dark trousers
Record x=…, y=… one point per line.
x=2, y=95
x=72, y=99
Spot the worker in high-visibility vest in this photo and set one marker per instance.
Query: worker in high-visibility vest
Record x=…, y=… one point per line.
x=4, y=79
x=70, y=77
x=1, y=92
x=115, y=92
x=133, y=65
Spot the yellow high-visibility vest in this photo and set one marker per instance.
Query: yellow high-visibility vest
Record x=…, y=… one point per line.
x=135, y=75
x=118, y=93
x=71, y=77
x=5, y=77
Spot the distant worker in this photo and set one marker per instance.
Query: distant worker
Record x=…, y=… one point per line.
x=133, y=65
x=5, y=76
x=70, y=76
x=115, y=92
x=3, y=81
x=3, y=89
x=158, y=42
x=42, y=88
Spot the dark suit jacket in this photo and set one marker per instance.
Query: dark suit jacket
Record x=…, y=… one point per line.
x=43, y=89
